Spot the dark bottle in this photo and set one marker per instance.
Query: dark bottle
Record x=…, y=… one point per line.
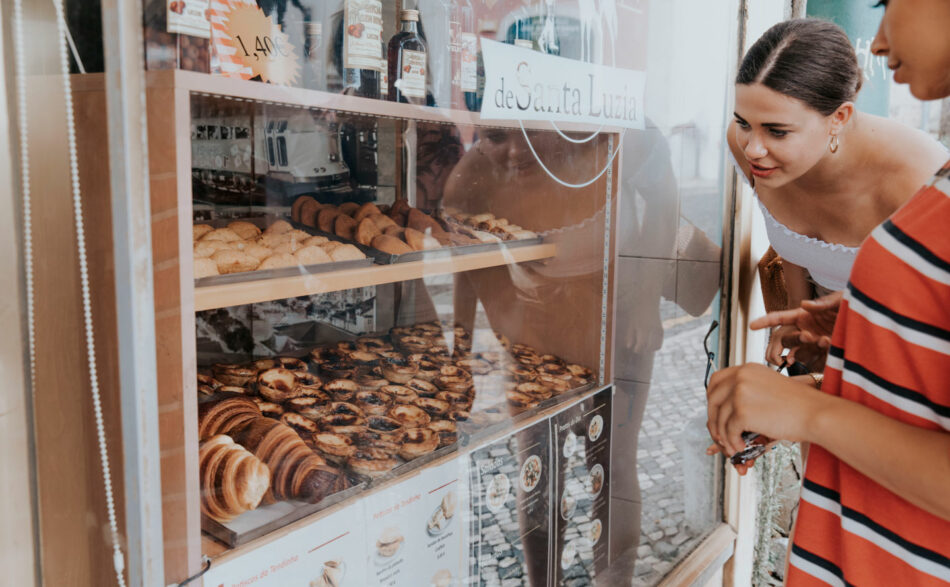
x=408, y=63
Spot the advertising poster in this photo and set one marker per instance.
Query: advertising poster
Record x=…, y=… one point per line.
x=581, y=437
x=443, y=527
x=328, y=553
x=510, y=505
x=395, y=547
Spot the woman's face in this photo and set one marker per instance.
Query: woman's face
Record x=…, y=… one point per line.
x=508, y=151
x=781, y=137
x=914, y=37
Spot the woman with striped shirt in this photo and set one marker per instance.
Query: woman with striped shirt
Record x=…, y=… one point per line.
x=875, y=505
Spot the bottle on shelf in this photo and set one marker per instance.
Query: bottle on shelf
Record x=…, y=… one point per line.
x=357, y=46
x=468, y=56
x=408, y=62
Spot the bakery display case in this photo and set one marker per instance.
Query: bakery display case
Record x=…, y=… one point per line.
x=383, y=328
x=371, y=292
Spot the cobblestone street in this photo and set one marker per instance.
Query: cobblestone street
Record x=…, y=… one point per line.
x=678, y=492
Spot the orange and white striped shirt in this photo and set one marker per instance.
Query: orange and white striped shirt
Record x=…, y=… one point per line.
x=890, y=352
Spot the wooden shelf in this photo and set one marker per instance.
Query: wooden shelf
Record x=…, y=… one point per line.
x=262, y=290
x=203, y=83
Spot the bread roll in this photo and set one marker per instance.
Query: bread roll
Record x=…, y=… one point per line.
x=278, y=260
x=349, y=208
x=346, y=253
x=208, y=248
x=258, y=251
x=279, y=227
x=419, y=241
x=199, y=230
x=326, y=218
x=205, y=267
x=230, y=261
x=315, y=241
x=245, y=229
x=221, y=234
x=295, y=209
x=365, y=210
x=312, y=255
x=390, y=244
x=382, y=221
x=308, y=213
x=275, y=240
x=366, y=231
x=344, y=226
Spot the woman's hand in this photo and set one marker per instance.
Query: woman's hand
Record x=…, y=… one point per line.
x=757, y=399
x=783, y=337
x=814, y=321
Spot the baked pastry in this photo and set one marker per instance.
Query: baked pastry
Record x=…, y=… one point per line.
x=336, y=448
x=326, y=218
x=308, y=213
x=233, y=480
x=382, y=221
x=302, y=425
x=257, y=250
x=371, y=462
x=342, y=390
x=199, y=230
x=225, y=415
x=420, y=241
x=231, y=261
x=534, y=389
x=556, y=384
x=221, y=234
x=410, y=416
x=373, y=403
x=342, y=424
x=278, y=227
x=287, y=248
x=344, y=226
x=278, y=261
x=417, y=442
x=389, y=243
x=400, y=394
x=208, y=248
x=447, y=431
x=205, y=267
x=233, y=374
x=277, y=385
x=398, y=371
x=297, y=206
x=312, y=255
x=245, y=229
x=346, y=253
x=456, y=400
x=422, y=388
x=434, y=407
x=368, y=209
x=315, y=241
x=521, y=401
x=311, y=408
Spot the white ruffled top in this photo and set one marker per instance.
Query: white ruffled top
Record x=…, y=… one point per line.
x=829, y=264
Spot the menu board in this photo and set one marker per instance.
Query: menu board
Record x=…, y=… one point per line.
x=581, y=436
x=327, y=553
x=442, y=528
x=395, y=534
x=510, y=509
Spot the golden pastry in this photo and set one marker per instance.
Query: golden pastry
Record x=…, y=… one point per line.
x=279, y=227
x=371, y=462
x=373, y=403
x=410, y=416
x=296, y=207
x=447, y=431
x=423, y=388
x=366, y=231
x=391, y=244
x=311, y=408
x=278, y=261
x=382, y=222
x=274, y=240
x=312, y=255
x=229, y=261
x=221, y=234
x=346, y=253
x=199, y=230
x=245, y=229
x=344, y=226
x=349, y=208
x=365, y=210
x=258, y=251
x=208, y=248
x=277, y=385
x=308, y=213
x=301, y=424
x=434, y=407
x=342, y=424
x=205, y=267
x=290, y=247
x=417, y=442
x=326, y=218
x=315, y=241
x=336, y=448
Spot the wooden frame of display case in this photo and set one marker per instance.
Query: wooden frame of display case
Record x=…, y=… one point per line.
x=176, y=298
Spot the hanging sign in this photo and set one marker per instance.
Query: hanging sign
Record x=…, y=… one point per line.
x=523, y=84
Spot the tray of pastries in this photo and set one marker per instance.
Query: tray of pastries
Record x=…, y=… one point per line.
x=400, y=233
x=355, y=412
x=264, y=247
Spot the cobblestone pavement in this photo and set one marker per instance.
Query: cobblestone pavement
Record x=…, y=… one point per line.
x=677, y=479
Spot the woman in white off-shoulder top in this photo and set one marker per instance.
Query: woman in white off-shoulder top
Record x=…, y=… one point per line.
x=824, y=174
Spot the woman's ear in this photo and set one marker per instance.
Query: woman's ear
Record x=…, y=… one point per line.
x=841, y=116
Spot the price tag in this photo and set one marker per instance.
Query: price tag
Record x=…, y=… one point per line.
x=252, y=40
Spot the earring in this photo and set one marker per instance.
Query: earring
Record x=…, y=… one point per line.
x=833, y=147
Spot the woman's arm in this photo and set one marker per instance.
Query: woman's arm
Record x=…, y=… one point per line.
x=784, y=337
x=912, y=462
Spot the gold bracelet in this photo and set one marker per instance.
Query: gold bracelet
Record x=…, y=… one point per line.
x=819, y=378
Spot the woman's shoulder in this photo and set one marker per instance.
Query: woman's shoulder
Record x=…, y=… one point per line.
x=896, y=145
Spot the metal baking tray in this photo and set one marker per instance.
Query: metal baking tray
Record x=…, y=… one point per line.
x=262, y=222
x=266, y=519
x=384, y=258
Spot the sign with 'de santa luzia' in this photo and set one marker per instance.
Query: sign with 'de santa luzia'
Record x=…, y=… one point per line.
x=523, y=84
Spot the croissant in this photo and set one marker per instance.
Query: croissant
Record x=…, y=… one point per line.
x=233, y=480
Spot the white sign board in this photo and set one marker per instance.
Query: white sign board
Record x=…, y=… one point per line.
x=327, y=553
x=523, y=84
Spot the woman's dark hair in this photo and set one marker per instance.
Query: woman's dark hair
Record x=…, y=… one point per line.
x=808, y=59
